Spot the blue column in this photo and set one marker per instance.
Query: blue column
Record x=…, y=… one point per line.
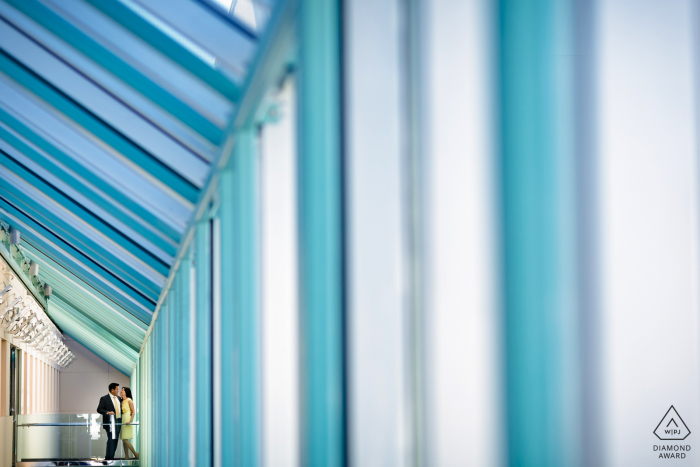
x=321, y=234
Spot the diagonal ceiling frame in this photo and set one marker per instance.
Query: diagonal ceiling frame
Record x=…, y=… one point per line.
x=112, y=115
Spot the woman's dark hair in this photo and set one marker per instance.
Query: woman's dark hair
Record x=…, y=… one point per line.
x=127, y=391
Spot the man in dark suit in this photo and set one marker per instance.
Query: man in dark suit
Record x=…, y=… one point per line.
x=110, y=407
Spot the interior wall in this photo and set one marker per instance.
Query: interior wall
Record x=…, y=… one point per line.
x=5, y=441
x=85, y=380
x=37, y=396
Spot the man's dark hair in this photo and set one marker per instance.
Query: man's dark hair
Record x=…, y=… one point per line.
x=112, y=386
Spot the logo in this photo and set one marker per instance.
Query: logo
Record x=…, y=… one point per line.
x=672, y=427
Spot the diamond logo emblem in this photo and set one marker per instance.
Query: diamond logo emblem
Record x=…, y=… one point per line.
x=672, y=426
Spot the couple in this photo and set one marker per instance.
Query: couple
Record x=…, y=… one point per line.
x=117, y=409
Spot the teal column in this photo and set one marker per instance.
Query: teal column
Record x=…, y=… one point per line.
x=184, y=349
x=538, y=231
x=164, y=406
x=246, y=276
x=321, y=234
x=160, y=412
x=174, y=372
x=230, y=417
x=155, y=410
x=240, y=375
x=204, y=344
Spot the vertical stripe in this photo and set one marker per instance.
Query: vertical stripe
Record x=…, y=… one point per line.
x=203, y=343
x=321, y=234
x=538, y=231
x=247, y=293
x=230, y=328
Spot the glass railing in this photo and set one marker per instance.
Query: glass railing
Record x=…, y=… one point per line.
x=74, y=437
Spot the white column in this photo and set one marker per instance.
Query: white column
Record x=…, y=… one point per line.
x=279, y=288
x=464, y=411
x=379, y=397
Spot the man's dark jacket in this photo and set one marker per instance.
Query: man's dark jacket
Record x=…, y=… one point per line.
x=105, y=406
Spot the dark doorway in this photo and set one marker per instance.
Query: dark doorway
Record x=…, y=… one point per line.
x=14, y=355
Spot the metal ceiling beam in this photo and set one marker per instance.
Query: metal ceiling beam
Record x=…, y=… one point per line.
x=149, y=61
x=80, y=316
x=98, y=127
x=59, y=199
x=115, y=64
x=83, y=295
x=9, y=140
x=12, y=198
x=273, y=57
x=82, y=266
x=168, y=46
x=231, y=42
x=57, y=274
x=107, y=106
x=80, y=177
x=121, y=360
x=99, y=308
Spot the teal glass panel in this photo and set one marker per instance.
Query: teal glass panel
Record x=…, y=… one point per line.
x=163, y=414
x=184, y=348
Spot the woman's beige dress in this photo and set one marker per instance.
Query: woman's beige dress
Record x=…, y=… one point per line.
x=127, y=430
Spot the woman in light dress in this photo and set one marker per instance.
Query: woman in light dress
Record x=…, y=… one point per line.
x=128, y=412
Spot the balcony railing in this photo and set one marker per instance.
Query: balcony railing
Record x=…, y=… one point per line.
x=43, y=438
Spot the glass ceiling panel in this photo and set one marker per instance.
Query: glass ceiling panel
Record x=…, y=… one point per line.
x=16, y=140
x=71, y=227
x=230, y=42
x=103, y=105
x=111, y=294
x=108, y=347
x=112, y=113
x=103, y=162
x=131, y=341
x=119, y=322
x=253, y=13
x=166, y=122
x=121, y=52
x=89, y=206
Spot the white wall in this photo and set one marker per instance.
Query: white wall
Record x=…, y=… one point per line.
x=649, y=227
x=85, y=380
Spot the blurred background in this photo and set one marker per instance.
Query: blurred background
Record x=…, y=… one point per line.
x=368, y=232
